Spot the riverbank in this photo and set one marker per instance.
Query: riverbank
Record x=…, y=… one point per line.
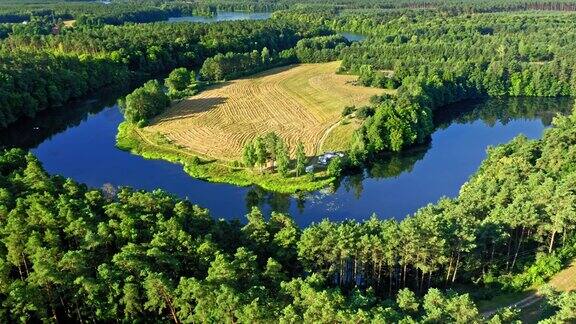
x=154, y=146
x=79, y=142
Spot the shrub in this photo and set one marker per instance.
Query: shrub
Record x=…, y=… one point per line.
x=365, y=112
x=335, y=167
x=348, y=110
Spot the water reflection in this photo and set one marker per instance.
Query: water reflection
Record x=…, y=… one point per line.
x=502, y=110
x=223, y=16
x=28, y=133
x=77, y=141
x=353, y=37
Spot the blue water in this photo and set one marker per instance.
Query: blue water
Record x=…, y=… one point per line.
x=236, y=15
x=78, y=142
x=223, y=16
x=353, y=37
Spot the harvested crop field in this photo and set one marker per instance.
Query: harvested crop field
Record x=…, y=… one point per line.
x=299, y=103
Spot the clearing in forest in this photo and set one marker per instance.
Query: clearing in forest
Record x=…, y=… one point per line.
x=69, y=23
x=301, y=102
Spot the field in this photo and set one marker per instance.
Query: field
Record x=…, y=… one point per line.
x=338, y=139
x=155, y=146
x=69, y=23
x=300, y=103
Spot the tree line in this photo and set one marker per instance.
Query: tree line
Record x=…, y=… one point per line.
x=120, y=12
x=49, y=70
x=36, y=80
x=307, y=50
x=127, y=11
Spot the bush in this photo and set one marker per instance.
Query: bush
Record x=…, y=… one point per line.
x=348, y=110
x=365, y=112
x=545, y=266
x=179, y=79
x=181, y=83
x=335, y=167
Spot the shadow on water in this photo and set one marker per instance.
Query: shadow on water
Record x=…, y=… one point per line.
x=28, y=133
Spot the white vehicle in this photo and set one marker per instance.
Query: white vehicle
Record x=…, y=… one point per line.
x=325, y=158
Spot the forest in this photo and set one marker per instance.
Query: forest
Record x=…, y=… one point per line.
x=84, y=60
x=72, y=253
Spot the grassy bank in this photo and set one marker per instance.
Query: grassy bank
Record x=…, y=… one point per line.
x=154, y=146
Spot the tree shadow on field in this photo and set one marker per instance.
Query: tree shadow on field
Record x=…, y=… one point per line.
x=271, y=71
x=189, y=107
x=217, y=86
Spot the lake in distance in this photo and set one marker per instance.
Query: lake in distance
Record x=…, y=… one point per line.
x=223, y=16
x=241, y=15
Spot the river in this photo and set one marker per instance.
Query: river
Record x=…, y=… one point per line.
x=77, y=141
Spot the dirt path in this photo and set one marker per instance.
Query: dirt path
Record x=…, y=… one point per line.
x=565, y=280
x=324, y=137
x=524, y=303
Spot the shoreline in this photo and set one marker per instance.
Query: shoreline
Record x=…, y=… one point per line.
x=130, y=138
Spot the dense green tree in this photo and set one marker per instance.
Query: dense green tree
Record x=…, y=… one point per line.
x=282, y=158
x=249, y=154
x=70, y=253
x=260, y=152
x=564, y=305
x=335, y=167
x=145, y=103
x=73, y=254
x=407, y=301
x=269, y=148
x=179, y=79
x=301, y=159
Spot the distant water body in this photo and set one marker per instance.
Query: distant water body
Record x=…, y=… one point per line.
x=223, y=16
x=237, y=15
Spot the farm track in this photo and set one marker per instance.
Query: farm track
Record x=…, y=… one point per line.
x=565, y=280
x=299, y=103
x=325, y=136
